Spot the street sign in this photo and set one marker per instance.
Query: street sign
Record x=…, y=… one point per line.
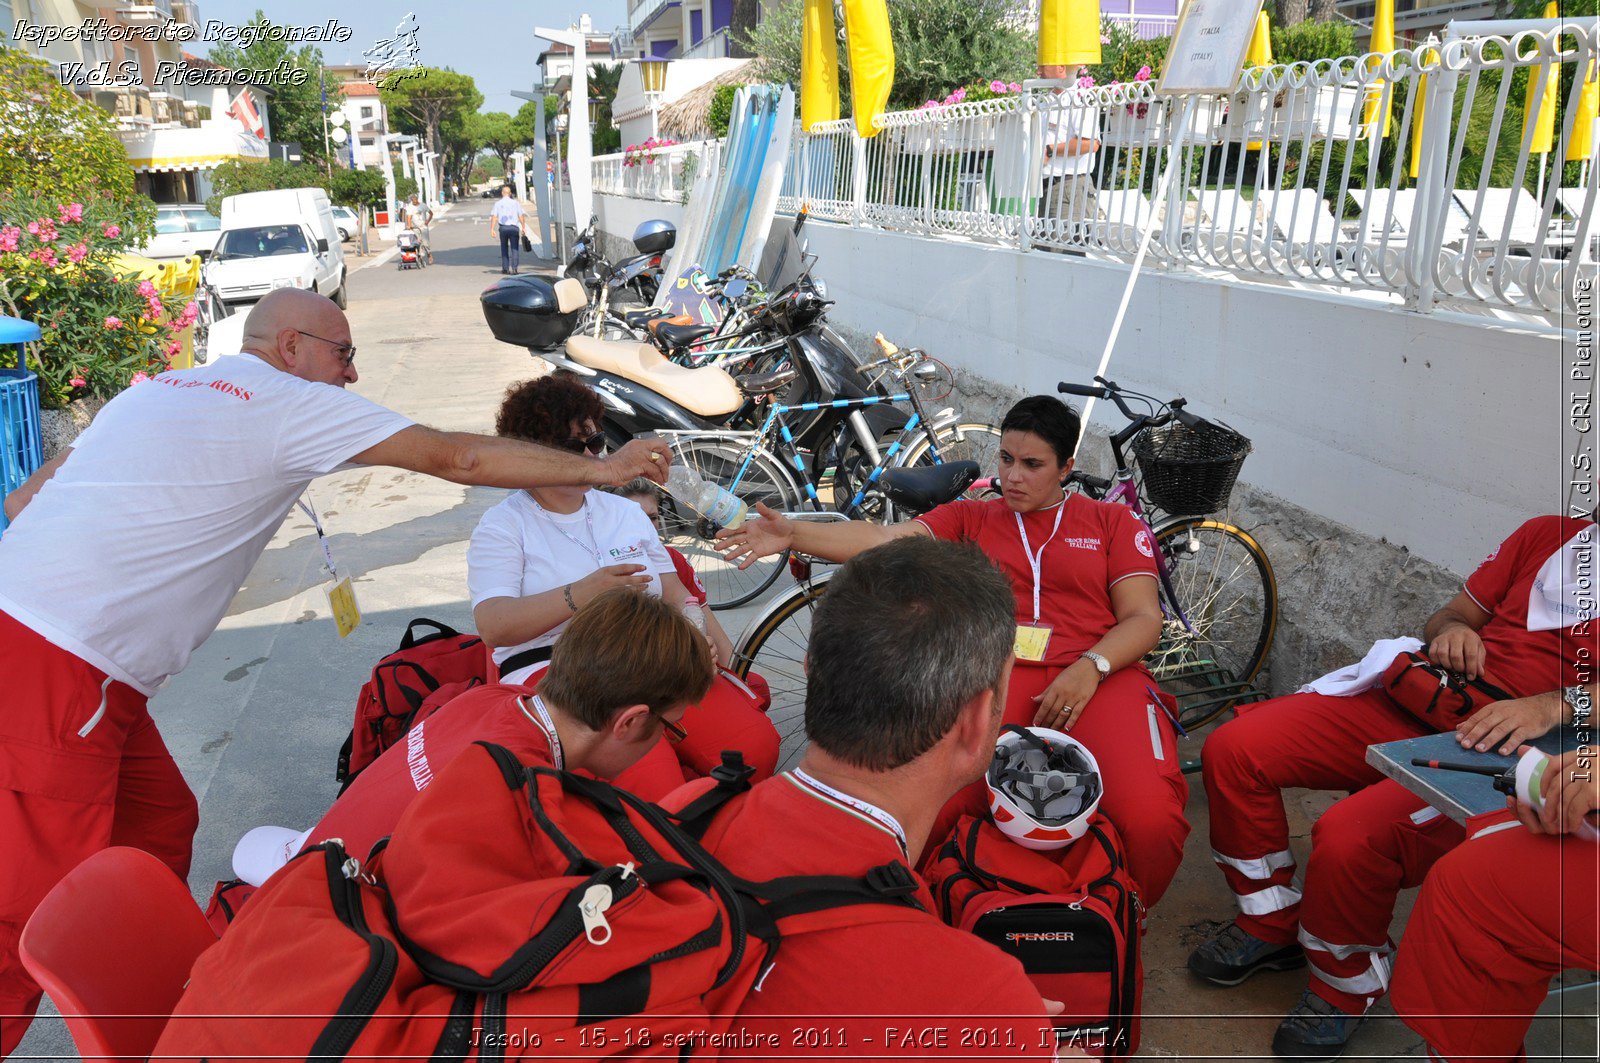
x=1207, y=52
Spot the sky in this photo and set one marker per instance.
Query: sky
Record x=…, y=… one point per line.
x=492, y=40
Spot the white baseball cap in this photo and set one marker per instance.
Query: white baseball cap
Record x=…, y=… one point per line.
x=265, y=849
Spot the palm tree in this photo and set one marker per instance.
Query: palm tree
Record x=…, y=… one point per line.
x=604, y=80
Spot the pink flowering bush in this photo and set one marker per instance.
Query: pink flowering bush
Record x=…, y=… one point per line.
x=102, y=330
x=645, y=154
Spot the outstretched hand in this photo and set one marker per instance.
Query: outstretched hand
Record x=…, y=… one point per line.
x=649, y=458
x=760, y=536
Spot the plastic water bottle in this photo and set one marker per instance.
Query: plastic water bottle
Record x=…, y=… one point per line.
x=712, y=501
x=1529, y=782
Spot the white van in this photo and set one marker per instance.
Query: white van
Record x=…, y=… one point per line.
x=285, y=238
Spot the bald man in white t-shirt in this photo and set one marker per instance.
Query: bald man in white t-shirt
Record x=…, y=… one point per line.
x=124, y=552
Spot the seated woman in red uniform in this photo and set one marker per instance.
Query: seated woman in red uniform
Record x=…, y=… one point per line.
x=1084, y=575
x=540, y=555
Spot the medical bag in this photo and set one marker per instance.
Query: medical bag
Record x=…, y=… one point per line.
x=1072, y=917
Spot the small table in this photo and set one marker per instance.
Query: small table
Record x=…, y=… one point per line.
x=1458, y=794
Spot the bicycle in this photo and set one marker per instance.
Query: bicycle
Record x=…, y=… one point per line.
x=765, y=465
x=1216, y=585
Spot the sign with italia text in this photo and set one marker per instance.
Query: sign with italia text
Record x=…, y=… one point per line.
x=1207, y=53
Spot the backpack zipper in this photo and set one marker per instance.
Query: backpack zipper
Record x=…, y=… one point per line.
x=352, y=1017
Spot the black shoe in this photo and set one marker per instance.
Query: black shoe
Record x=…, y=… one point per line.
x=504, y=271
x=1234, y=955
x=1314, y=1030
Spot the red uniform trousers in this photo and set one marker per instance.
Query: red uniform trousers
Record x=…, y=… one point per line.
x=1496, y=919
x=1364, y=849
x=82, y=767
x=1145, y=790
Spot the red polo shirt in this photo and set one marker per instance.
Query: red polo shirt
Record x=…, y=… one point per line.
x=1097, y=545
x=900, y=986
x=1519, y=661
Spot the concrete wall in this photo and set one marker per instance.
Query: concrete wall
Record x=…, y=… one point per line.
x=1393, y=450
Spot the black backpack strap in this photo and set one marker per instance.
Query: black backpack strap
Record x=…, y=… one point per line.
x=967, y=858
x=732, y=777
x=440, y=631
x=893, y=884
x=513, y=770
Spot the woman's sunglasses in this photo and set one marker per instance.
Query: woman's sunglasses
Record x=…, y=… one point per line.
x=595, y=444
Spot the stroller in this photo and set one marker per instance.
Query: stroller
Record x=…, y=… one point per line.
x=410, y=245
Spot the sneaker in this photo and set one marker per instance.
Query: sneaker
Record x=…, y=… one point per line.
x=1314, y=1030
x=1234, y=955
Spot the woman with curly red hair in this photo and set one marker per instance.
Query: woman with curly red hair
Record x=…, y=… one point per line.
x=537, y=557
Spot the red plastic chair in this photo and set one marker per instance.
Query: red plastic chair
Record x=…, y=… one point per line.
x=112, y=944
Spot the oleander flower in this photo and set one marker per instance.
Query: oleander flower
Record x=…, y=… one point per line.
x=77, y=252
x=138, y=378
x=1143, y=74
x=997, y=85
x=1015, y=86
x=10, y=237
x=78, y=382
x=1086, y=82
x=71, y=212
x=45, y=255
x=146, y=289
x=112, y=231
x=113, y=322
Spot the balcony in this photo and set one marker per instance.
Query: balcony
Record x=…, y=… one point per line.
x=712, y=47
x=645, y=13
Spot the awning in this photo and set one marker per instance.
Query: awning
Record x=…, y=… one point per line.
x=173, y=148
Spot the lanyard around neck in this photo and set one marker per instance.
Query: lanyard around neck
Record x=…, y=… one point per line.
x=588, y=522
x=548, y=726
x=1035, y=560
x=855, y=804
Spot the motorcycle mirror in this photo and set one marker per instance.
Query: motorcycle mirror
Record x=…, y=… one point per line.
x=736, y=288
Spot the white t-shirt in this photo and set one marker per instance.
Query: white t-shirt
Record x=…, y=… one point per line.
x=1066, y=120
x=507, y=211
x=520, y=548
x=131, y=552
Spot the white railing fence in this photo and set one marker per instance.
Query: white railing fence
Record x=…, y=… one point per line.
x=1409, y=173
x=667, y=177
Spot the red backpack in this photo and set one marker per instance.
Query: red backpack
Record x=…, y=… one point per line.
x=517, y=912
x=409, y=685
x=1071, y=916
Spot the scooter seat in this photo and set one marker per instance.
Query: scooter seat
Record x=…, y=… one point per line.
x=706, y=392
x=682, y=335
x=921, y=487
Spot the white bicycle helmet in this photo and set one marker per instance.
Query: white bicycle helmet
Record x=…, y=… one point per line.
x=1043, y=787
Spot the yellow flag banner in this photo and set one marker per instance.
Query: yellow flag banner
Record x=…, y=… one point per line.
x=1381, y=95
x=1544, y=120
x=866, y=31
x=819, y=65
x=1069, y=33
x=1580, y=146
x=1260, y=54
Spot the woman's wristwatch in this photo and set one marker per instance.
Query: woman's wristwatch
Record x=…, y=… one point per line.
x=1101, y=665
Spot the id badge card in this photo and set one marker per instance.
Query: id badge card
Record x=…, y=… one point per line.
x=1032, y=642
x=342, y=600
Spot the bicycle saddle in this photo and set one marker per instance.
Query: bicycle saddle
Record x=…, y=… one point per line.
x=922, y=487
x=708, y=391
x=765, y=383
x=643, y=316
x=682, y=335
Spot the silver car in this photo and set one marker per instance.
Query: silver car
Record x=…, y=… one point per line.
x=182, y=230
x=346, y=221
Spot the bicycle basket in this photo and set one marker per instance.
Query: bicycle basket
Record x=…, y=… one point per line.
x=1190, y=471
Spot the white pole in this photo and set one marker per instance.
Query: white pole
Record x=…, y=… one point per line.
x=1168, y=179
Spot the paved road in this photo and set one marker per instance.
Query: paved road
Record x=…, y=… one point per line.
x=256, y=719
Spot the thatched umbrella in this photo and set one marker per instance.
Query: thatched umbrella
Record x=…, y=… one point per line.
x=688, y=117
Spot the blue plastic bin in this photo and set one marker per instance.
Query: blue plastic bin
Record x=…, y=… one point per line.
x=21, y=450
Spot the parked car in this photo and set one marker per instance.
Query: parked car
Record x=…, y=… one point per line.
x=182, y=229
x=347, y=221
x=278, y=239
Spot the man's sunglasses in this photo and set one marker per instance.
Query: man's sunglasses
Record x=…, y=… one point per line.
x=595, y=444
x=345, y=351
x=674, y=732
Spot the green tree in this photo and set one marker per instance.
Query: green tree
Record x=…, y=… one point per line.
x=939, y=45
x=52, y=143
x=428, y=99
x=295, y=109
x=500, y=133
x=604, y=81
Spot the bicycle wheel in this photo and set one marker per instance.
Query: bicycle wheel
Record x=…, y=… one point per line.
x=1224, y=584
x=775, y=648
x=764, y=480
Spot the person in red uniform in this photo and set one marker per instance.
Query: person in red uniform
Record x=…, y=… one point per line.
x=906, y=675
x=1083, y=577
x=1500, y=916
x=1502, y=627
x=623, y=673
x=196, y=468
